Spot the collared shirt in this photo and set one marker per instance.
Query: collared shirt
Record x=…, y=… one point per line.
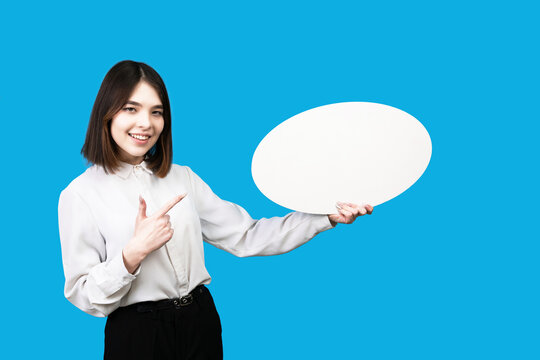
x=96, y=217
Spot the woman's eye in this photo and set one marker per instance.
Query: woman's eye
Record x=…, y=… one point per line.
x=129, y=109
x=159, y=113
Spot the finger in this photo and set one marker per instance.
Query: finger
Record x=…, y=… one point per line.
x=362, y=210
x=170, y=205
x=162, y=222
x=345, y=212
x=344, y=205
x=166, y=231
x=369, y=209
x=339, y=207
x=168, y=234
x=142, y=208
x=348, y=217
x=366, y=209
x=354, y=209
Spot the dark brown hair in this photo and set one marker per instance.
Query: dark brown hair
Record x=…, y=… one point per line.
x=99, y=147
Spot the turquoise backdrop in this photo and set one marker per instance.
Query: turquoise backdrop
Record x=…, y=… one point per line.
x=447, y=270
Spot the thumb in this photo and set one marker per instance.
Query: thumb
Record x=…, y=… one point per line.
x=142, y=209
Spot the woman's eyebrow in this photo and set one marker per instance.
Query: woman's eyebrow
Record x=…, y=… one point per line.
x=138, y=104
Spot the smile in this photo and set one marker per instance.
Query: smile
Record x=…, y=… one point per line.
x=139, y=137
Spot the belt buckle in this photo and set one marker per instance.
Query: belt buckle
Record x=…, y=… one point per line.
x=183, y=301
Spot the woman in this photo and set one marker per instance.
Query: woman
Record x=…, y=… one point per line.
x=132, y=225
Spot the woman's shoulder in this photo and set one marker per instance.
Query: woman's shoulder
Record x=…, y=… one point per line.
x=85, y=181
x=178, y=173
x=181, y=170
x=185, y=174
x=187, y=171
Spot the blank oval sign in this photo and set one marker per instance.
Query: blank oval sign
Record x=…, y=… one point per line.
x=358, y=152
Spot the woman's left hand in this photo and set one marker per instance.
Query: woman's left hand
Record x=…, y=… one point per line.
x=348, y=212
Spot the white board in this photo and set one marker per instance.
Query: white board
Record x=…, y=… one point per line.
x=357, y=152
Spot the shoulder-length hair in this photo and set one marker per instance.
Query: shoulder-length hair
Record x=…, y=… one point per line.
x=99, y=147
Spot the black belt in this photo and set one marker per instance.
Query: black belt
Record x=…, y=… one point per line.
x=169, y=303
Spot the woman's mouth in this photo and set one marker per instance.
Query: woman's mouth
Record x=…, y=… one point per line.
x=140, y=139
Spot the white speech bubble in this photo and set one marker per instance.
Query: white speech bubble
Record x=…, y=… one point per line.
x=358, y=152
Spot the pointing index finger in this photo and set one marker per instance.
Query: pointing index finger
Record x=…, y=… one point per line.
x=168, y=206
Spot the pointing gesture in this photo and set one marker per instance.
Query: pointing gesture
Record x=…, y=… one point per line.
x=151, y=233
x=161, y=212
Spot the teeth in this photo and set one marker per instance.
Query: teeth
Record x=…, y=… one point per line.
x=139, y=137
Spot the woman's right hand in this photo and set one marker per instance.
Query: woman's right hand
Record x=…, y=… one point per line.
x=151, y=233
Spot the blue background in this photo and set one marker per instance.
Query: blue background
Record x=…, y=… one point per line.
x=447, y=270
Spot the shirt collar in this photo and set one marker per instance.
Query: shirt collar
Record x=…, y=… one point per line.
x=125, y=169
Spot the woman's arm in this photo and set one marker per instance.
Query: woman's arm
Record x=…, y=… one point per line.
x=95, y=282
x=229, y=227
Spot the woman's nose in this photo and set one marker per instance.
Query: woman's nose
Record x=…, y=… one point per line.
x=143, y=119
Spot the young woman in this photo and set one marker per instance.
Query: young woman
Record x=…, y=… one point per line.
x=132, y=226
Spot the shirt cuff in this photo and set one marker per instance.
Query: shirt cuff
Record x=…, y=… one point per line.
x=117, y=269
x=323, y=222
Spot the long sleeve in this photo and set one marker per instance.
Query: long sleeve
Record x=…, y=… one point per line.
x=229, y=227
x=94, y=282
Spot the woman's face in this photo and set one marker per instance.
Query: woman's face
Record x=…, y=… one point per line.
x=141, y=116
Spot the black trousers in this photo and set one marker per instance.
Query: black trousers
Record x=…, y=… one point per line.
x=171, y=330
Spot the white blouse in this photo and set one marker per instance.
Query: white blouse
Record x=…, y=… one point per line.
x=96, y=217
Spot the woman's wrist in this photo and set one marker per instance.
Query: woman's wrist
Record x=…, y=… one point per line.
x=333, y=223
x=132, y=258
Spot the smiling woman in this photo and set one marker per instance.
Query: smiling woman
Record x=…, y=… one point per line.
x=146, y=273
x=136, y=128
x=132, y=100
